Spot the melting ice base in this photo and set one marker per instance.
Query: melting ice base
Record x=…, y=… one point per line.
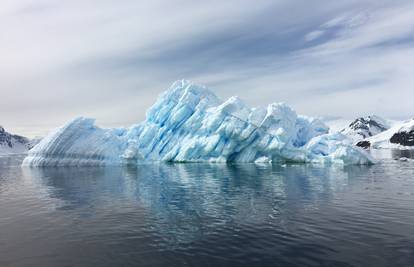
x=188, y=123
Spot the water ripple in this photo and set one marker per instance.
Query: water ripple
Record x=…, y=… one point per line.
x=207, y=215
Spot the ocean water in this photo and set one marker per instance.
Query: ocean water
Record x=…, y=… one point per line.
x=207, y=215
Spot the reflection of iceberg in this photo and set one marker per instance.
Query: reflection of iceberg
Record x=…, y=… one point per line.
x=188, y=123
x=182, y=202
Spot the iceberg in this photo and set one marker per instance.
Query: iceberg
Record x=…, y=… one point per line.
x=189, y=123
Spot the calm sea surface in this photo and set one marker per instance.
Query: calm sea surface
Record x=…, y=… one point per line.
x=207, y=215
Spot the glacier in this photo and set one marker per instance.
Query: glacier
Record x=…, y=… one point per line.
x=189, y=123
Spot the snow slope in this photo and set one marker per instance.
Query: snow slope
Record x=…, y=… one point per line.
x=188, y=123
x=383, y=140
x=13, y=144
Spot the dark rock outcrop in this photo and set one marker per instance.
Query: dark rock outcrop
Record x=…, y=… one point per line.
x=364, y=144
x=404, y=138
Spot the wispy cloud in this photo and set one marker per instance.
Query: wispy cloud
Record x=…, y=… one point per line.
x=314, y=35
x=110, y=60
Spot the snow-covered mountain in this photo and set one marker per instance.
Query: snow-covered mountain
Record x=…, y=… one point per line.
x=365, y=127
x=14, y=144
x=376, y=132
x=188, y=123
x=400, y=136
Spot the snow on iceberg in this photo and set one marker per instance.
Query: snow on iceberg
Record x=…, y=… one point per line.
x=188, y=123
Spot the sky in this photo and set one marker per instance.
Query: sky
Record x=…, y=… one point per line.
x=110, y=59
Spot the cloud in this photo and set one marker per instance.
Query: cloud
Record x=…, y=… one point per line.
x=313, y=35
x=110, y=60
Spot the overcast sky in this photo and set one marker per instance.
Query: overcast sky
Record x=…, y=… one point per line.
x=110, y=59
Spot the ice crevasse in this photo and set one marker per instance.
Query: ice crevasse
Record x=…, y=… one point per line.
x=188, y=123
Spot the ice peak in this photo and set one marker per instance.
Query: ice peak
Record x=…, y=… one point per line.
x=236, y=107
x=181, y=89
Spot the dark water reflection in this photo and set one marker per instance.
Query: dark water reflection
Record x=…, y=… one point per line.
x=398, y=154
x=395, y=154
x=207, y=215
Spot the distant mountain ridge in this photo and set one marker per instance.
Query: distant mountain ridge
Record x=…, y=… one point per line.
x=364, y=127
x=376, y=132
x=14, y=144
